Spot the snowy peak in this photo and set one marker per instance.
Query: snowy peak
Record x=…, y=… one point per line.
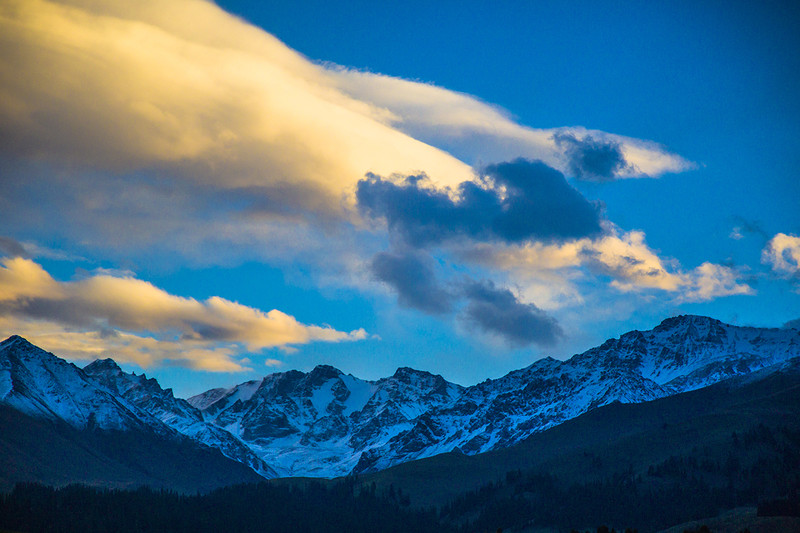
x=38, y=383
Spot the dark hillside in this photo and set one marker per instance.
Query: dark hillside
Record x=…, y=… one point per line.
x=55, y=453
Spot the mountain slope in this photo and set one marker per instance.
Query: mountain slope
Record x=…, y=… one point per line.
x=58, y=426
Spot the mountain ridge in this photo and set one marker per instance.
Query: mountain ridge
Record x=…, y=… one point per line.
x=326, y=423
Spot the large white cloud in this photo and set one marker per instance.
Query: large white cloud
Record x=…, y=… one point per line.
x=182, y=87
x=133, y=320
x=171, y=128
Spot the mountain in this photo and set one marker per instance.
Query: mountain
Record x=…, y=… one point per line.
x=319, y=423
x=646, y=465
x=618, y=437
x=325, y=423
x=148, y=396
x=59, y=426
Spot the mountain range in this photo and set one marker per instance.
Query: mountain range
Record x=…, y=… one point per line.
x=325, y=423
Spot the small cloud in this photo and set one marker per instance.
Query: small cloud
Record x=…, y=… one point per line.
x=592, y=159
x=782, y=254
x=273, y=363
x=497, y=311
x=709, y=281
x=12, y=248
x=744, y=227
x=412, y=276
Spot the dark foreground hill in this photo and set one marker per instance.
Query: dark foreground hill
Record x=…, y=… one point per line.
x=648, y=465
x=57, y=454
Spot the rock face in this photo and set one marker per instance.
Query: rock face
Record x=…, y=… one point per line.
x=326, y=423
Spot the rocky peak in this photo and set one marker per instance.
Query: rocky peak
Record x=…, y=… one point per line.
x=323, y=373
x=103, y=366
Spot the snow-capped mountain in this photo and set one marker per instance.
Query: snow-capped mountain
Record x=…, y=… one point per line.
x=58, y=425
x=319, y=423
x=40, y=384
x=327, y=423
x=680, y=354
x=147, y=395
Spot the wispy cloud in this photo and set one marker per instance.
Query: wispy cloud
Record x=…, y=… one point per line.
x=478, y=132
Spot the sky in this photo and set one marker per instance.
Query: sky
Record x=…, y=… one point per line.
x=209, y=193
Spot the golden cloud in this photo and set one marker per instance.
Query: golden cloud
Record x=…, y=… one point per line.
x=782, y=253
x=549, y=271
x=136, y=321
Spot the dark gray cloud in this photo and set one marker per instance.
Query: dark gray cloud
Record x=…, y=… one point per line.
x=743, y=227
x=591, y=160
x=520, y=201
x=12, y=248
x=412, y=276
x=493, y=309
x=497, y=310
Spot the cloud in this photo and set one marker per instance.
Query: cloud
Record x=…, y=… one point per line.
x=11, y=247
x=139, y=321
x=744, y=227
x=480, y=133
x=709, y=281
x=590, y=159
x=498, y=311
x=624, y=257
x=412, y=276
x=203, y=97
x=127, y=107
x=782, y=254
x=493, y=310
x=514, y=202
x=170, y=130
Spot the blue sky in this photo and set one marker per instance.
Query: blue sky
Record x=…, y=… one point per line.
x=457, y=187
